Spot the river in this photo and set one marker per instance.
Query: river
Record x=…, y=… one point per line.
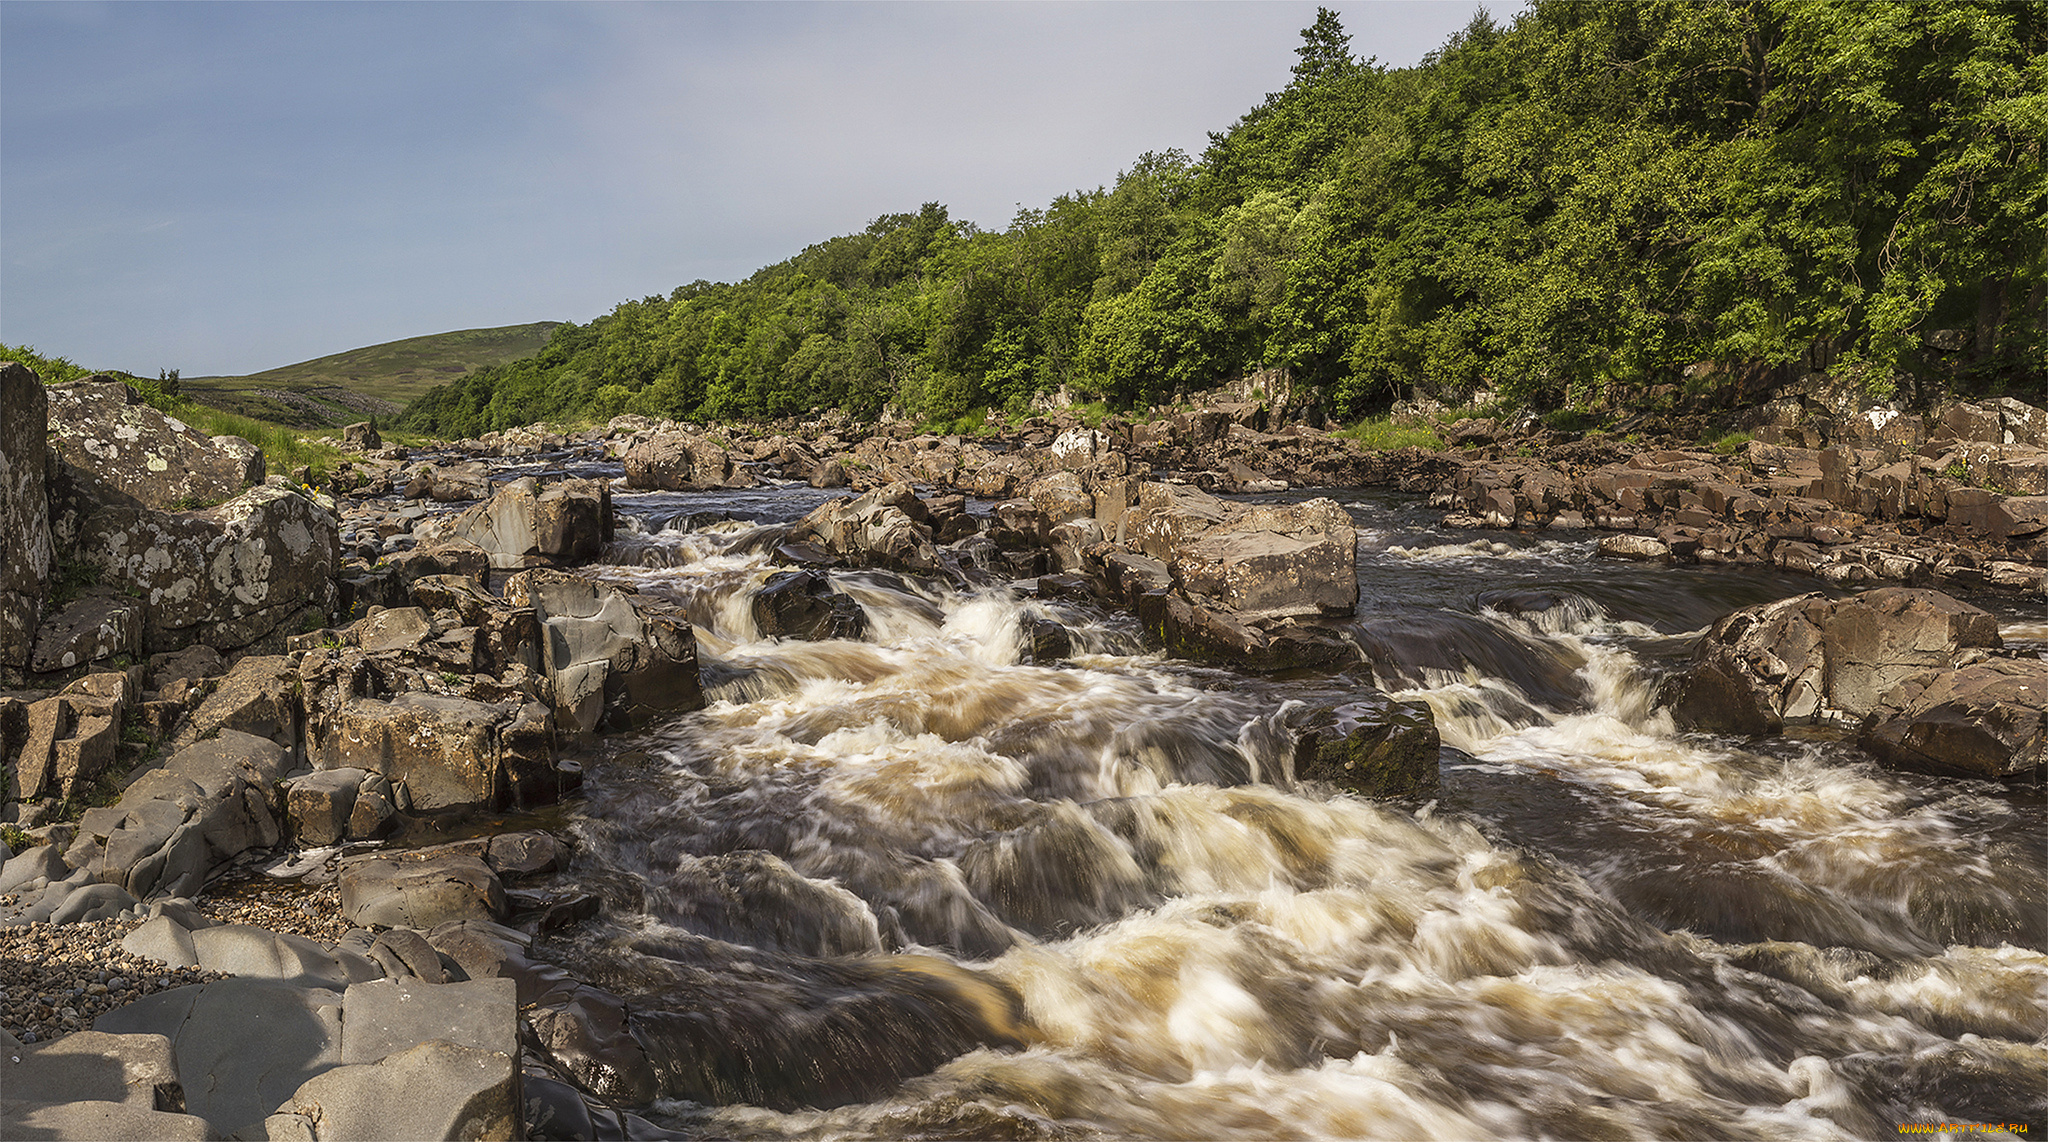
x=916, y=885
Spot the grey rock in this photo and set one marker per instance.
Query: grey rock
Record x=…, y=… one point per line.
x=404, y=953
x=320, y=804
x=92, y=902
x=255, y=953
x=138, y=1071
x=1988, y=720
x=258, y=696
x=1372, y=745
x=163, y=939
x=387, y=1016
x=449, y=1092
x=43, y=862
x=525, y=522
x=613, y=659
x=1812, y=659
x=96, y=1121
x=93, y=628
x=243, y=1045
x=419, y=889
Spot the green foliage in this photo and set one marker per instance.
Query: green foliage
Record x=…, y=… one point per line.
x=1732, y=443
x=1565, y=212
x=17, y=839
x=1381, y=434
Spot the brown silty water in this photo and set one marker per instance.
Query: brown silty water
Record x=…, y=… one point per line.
x=915, y=886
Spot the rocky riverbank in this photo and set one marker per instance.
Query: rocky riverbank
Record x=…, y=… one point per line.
x=362, y=693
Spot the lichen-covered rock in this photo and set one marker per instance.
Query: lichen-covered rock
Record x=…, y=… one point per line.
x=227, y=576
x=28, y=557
x=92, y=628
x=101, y=427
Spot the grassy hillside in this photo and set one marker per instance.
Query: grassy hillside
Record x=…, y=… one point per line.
x=377, y=380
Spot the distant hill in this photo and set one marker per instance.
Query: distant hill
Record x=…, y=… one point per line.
x=375, y=381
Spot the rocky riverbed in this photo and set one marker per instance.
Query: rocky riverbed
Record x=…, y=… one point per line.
x=296, y=752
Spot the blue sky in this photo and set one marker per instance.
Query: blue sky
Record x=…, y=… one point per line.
x=229, y=187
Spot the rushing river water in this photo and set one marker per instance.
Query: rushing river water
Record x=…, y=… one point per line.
x=916, y=886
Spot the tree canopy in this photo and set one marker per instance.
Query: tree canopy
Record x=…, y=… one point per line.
x=1565, y=211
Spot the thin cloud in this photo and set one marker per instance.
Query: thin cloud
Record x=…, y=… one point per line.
x=224, y=188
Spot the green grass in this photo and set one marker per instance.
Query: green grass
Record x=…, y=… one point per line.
x=1732, y=443
x=343, y=388
x=1381, y=434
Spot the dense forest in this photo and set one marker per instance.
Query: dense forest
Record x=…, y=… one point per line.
x=1567, y=211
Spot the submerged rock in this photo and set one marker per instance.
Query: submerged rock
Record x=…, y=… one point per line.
x=1371, y=745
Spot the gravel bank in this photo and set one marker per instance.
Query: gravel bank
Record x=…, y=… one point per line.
x=56, y=980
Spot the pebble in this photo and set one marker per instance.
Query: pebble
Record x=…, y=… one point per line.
x=55, y=980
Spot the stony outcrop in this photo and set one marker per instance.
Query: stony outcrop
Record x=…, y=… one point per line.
x=1988, y=720
x=1813, y=659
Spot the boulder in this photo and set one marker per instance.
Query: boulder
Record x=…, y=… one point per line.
x=462, y=559
x=320, y=804
x=448, y=752
x=885, y=527
x=419, y=888
x=258, y=696
x=228, y=576
x=142, y=457
x=243, y=1046
x=677, y=462
x=92, y=628
x=28, y=558
x=1814, y=659
x=802, y=604
x=1266, y=561
x=361, y=436
x=137, y=1071
x=386, y=1016
x=448, y=485
x=1985, y=720
x=526, y=522
x=613, y=659
x=443, y=1091
x=1371, y=745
